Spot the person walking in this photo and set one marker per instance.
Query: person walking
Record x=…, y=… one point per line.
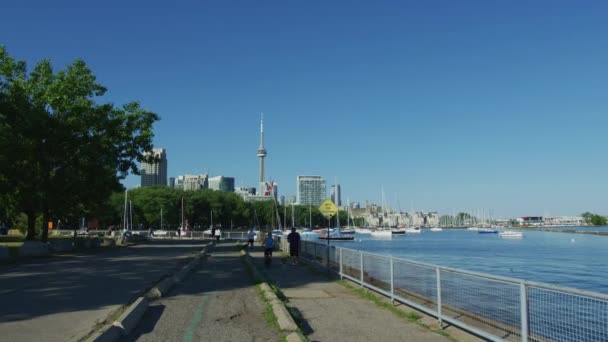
x=213, y=233
x=251, y=237
x=294, y=245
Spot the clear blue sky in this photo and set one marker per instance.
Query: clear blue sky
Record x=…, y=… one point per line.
x=448, y=105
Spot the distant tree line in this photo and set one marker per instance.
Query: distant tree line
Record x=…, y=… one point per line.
x=229, y=210
x=62, y=153
x=594, y=219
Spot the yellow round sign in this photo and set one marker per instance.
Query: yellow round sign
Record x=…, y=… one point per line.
x=328, y=209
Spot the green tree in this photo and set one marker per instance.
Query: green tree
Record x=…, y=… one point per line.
x=67, y=152
x=594, y=219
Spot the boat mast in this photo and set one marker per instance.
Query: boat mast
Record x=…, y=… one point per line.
x=310, y=215
x=124, y=217
x=131, y=213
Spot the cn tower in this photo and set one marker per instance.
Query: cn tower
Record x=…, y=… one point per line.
x=262, y=154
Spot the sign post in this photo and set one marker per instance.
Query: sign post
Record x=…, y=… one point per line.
x=328, y=209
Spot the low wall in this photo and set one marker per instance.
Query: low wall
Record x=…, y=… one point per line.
x=3, y=252
x=61, y=245
x=34, y=248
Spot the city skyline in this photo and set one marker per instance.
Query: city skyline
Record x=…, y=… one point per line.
x=451, y=107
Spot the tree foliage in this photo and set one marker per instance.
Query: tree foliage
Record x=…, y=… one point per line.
x=594, y=219
x=63, y=153
x=229, y=210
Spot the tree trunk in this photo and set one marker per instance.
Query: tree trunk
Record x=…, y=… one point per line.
x=44, y=229
x=31, y=225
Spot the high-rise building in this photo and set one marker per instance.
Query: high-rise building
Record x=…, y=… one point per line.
x=262, y=154
x=221, y=183
x=310, y=190
x=155, y=173
x=195, y=182
x=172, y=182
x=336, y=195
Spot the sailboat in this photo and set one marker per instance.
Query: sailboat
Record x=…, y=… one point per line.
x=336, y=235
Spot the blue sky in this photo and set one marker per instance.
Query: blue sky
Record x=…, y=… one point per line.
x=447, y=105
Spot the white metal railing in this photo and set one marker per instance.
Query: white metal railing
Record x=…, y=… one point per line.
x=493, y=307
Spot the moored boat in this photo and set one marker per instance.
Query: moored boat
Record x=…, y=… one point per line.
x=415, y=230
x=511, y=234
x=487, y=231
x=337, y=238
x=382, y=233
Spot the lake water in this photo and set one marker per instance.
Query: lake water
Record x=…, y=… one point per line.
x=565, y=259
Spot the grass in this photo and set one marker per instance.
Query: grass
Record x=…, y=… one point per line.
x=269, y=316
x=380, y=301
x=365, y=294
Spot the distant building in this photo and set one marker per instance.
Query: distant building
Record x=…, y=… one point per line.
x=245, y=191
x=282, y=200
x=179, y=183
x=291, y=200
x=172, y=182
x=195, y=182
x=155, y=173
x=335, y=195
x=310, y=190
x=560, y=221
x=530, y=220
x=221, y=183
x=355, y=205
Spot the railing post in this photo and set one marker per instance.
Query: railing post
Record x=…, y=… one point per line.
x=361, y=267
x=341, y=269
x=392, y=280
x=439, y=314
x=523, y=303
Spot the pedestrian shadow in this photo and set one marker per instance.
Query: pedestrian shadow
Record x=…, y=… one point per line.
x=146, y=324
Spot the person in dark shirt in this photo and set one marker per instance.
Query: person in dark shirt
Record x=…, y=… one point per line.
x=294, y=245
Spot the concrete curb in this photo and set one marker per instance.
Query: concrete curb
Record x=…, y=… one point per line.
x=130, y=318
x=284, y=319
x=109, y=333
x=295, y=337
x=164, y=286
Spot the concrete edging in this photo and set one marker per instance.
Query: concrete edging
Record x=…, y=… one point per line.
x=284, y=319
x=165, y=285
x=130, y=318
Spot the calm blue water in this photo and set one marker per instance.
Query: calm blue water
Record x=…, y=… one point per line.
x=572, y=260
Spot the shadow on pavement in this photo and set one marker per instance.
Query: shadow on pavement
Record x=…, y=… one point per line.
x=153, y=315
x=75, y=291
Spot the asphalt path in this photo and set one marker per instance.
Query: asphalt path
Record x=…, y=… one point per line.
x=332, y=313
x=61, y=298
x=217, y=302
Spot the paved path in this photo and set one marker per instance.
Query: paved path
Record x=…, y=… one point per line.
x=332, y=312
x=216, y=302
x=62, y=297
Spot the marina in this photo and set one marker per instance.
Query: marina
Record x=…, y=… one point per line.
x=565, y=259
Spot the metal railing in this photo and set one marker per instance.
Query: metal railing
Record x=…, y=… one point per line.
x=493, y=307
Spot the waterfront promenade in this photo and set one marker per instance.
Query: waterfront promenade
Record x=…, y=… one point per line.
x=61, y=298
x=333, y=312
